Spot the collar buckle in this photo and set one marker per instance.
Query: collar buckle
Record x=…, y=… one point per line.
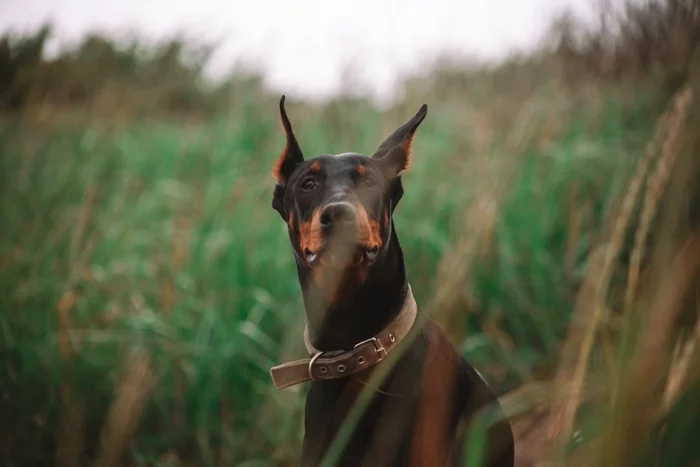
x=311, y=364
x=378, y=346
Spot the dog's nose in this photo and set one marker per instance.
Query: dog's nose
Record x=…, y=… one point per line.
x=334, y=214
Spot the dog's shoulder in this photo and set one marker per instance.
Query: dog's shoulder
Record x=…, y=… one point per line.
x=453, y=390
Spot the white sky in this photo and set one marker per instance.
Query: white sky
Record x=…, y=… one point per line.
x=303, y=45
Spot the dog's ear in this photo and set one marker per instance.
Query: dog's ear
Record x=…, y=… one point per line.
x=292, y=155
x=394, y=153
x=287, y=162
x=278, y=200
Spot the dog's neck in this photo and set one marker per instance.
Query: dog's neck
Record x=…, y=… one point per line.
x=364, y=312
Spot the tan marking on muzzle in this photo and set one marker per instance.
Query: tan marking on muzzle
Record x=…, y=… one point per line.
x=368, y=230
x=339, y=279
x=310, y=237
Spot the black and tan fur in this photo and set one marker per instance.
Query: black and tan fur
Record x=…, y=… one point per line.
x=339, y=213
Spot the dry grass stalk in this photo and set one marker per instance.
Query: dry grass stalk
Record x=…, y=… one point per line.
x=590, y=303
x=529, y=411
x=686, y=358
x=522, y=400
x=656, y=186
x=179, y=255
x=677, y=375
x=640, y=393
x=125, y=411
x=687, y=368
x=83, y=218
x=454, y=267
x=67, y=345
x=575, y=224
x=227, y=418
x=70, y=439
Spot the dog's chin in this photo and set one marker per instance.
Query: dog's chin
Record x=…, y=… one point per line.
x=360, y=256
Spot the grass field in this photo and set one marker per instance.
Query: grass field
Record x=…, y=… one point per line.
x=147, y=286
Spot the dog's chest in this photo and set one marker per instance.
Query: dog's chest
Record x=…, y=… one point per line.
x=383, y=435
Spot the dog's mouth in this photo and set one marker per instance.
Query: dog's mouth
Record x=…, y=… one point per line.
x=360, y=255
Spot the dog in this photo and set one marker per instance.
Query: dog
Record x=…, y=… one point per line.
x=360, y=311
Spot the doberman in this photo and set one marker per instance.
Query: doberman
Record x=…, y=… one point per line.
x=359, y=309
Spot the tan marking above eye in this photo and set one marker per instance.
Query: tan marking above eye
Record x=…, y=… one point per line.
x=315, y=167
x=361, y=170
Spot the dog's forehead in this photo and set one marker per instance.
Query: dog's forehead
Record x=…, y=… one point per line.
x=341, y=161
x=348, y=156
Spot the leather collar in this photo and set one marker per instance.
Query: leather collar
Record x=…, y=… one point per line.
x=321, y=366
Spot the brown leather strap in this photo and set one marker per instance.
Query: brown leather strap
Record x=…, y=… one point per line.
x=333, y=365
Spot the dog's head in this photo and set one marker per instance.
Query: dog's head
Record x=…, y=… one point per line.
x=338, y=208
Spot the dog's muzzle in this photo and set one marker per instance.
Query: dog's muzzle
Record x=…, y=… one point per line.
x=338, y=216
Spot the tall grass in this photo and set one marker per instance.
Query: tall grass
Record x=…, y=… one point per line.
x=549, y=224
x=148, y=285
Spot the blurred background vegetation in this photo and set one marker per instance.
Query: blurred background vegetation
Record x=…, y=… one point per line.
x=549, y=224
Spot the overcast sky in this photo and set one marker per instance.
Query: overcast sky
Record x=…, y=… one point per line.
x=303, y=45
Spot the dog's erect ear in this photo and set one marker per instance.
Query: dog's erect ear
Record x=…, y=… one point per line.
x=292, y=155
x=395, y=152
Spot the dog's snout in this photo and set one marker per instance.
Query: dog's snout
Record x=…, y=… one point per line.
x=337, y=214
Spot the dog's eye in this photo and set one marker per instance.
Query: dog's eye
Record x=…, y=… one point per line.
x=368, y=183
x=308, y=184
